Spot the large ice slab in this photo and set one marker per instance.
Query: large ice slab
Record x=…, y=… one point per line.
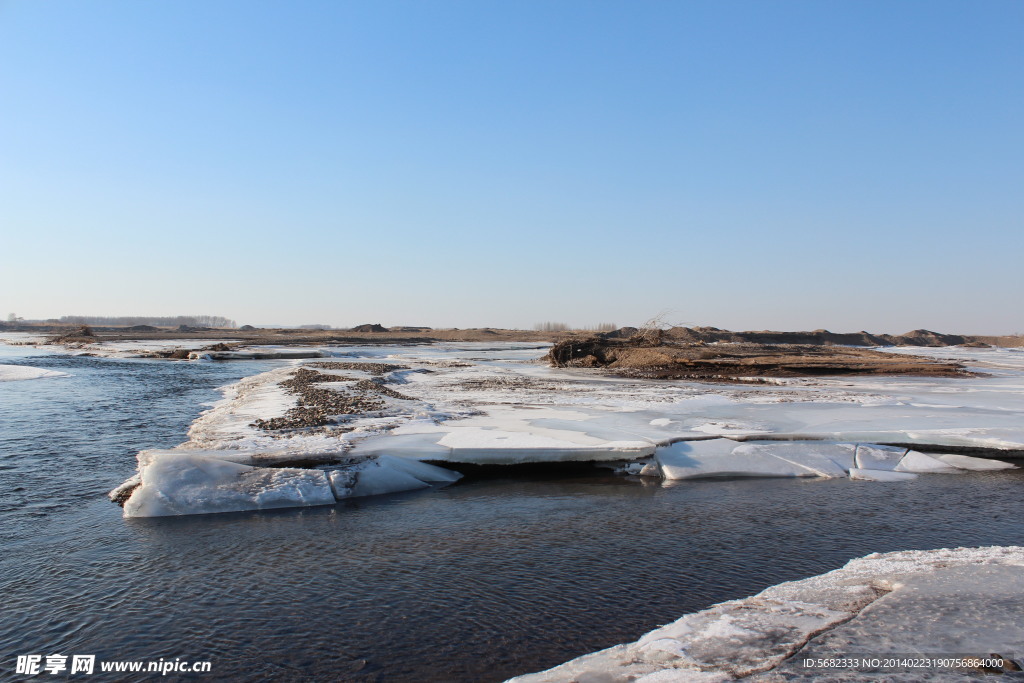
x=377, y=479
x=506, y=435
x=823, y=458
x=421, y=470
x=182, y=482
x=724, y=458
x=185, y=484
x=872, y=457
x=966, y=462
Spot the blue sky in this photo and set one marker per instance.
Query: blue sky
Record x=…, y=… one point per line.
x=749, y=165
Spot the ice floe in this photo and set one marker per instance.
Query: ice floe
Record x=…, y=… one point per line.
x=16, y=373
x=185, y=483
x=823, y=458
x=724, y=458
x=421, y=470
x=756, y=635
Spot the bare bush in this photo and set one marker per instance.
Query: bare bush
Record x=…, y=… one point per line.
x=652, y=332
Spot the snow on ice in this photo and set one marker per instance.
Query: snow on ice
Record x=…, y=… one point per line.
x=499, y=404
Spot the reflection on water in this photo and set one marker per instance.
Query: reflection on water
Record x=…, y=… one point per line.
x=478, y=581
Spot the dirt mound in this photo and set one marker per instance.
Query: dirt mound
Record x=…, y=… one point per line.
x=928, y=338
x=738, y=361
x=376, y=327
x=710, y=335
x=82, y=335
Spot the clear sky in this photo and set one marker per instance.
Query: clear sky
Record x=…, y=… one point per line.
x=779, y=164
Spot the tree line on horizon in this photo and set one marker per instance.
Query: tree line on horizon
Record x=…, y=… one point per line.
x=563, y=327
x=155, y=321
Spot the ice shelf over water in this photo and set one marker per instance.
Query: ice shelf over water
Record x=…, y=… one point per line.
x=914, y=603
x=184, y=483
x=499, y=404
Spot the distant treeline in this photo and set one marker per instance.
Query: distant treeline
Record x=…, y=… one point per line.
x=131, y=320
x=563, y=327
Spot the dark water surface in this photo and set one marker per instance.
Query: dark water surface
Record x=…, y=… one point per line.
x=476, y=582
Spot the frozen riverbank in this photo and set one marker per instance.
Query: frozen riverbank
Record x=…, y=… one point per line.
x=919, y=613
x=467, y=404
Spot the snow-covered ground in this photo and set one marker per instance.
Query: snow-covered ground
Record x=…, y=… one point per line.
x=496, y=404
x=928, y=607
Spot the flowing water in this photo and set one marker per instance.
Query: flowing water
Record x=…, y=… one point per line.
x=478, y=581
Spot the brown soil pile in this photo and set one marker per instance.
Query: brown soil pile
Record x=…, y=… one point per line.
x=732, y=361
x=82, y=335
x=708, y=335
x=372, y=368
